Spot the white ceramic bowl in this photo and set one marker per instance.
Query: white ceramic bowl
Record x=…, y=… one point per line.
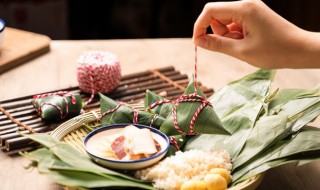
x=93, y=137
x=2, y=26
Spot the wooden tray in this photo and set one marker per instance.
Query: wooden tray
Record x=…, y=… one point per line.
x=20, y=46
x=166, y=81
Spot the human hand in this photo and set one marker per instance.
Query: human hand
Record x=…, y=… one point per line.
x=252, y=32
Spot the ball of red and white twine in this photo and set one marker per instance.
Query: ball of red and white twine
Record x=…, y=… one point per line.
x=98, y=71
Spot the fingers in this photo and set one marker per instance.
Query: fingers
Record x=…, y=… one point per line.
x=218, y=43
x=234, y=35
x=222, y=11
x=231, y=30
x=224, y=21
x=219, y=28
x=235, y=27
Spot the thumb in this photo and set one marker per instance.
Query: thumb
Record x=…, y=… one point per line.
x=217, y=43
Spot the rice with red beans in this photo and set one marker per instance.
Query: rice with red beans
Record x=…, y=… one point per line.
x=171, y=172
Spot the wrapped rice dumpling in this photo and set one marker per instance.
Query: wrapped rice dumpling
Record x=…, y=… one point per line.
x=114, y=112
x=168, y=114
x=58, y=105
x=190, y=114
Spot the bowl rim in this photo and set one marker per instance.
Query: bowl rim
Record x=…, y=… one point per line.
x=4, y=25
x=121, y=125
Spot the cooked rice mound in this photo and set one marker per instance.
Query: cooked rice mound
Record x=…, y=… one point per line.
x=171, y=172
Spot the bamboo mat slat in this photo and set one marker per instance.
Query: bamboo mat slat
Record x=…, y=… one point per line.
x=165, y=81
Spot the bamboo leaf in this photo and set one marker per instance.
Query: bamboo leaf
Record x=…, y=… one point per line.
x=306, y=117
x=239, y=123
x=90, y=180
x=238, y=104
x=37, y=155
x=300, y=159
x=163, y=110
x=285, y=95
x=293, y=148
x=296, y=106
x=266, y=131
x=190, y=89
x=237, y=93
x=43, y=139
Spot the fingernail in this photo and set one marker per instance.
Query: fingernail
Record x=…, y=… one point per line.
x=201, y=41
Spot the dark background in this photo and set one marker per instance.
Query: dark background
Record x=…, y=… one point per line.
x=117, y=19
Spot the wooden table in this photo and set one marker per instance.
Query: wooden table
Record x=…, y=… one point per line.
x=57, y=70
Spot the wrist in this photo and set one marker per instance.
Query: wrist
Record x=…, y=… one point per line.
x=310, y=50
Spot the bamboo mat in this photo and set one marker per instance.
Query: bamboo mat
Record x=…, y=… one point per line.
x=167, y=82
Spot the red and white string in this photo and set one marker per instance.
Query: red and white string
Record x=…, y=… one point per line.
x=196, y=70
x=174, y=142
x=98, y=71
x=135, y=112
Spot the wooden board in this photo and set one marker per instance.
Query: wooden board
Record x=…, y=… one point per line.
x=167, y=82
x=20, y=46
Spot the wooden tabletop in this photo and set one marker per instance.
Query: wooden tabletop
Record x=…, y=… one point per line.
x=56, y=70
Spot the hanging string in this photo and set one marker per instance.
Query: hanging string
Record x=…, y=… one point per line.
x=92, y=90
x=196, y=70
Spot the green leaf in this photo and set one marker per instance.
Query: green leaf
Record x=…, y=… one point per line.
x=163, y=109
x=254, y=86
x=90, y=180
x=266, y=132
x=37, y=155
x=285, y=95
x=305, y=117
x=299, y=159
x=44, y=139
x=239, y=123
x=293, y=148
x=238, y=104
x=190, y=89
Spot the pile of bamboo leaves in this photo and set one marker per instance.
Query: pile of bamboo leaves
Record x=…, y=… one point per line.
x=259, y=128
x=268, y=129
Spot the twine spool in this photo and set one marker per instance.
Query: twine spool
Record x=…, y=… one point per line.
x=98, y=71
